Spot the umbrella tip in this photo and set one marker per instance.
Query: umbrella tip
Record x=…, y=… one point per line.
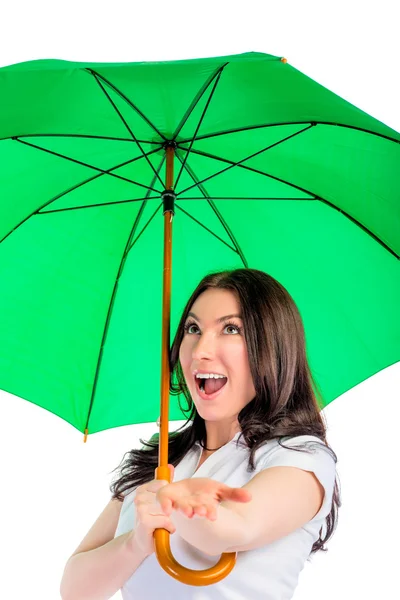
x=284, y=60
x=85, y=436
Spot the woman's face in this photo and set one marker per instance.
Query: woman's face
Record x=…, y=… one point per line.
x=213, y=345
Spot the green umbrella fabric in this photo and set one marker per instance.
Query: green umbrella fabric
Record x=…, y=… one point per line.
x=272, y=171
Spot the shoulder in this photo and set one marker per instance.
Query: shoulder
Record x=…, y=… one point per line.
x=289, y=446
x=306, y=452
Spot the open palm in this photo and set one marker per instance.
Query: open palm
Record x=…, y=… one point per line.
x=198, y=496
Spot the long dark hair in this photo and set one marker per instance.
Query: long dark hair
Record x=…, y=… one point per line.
x=285, y=404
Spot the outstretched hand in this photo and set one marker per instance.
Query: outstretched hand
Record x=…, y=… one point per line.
x=198, y=496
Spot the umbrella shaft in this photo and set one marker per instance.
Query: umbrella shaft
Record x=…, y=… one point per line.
x=163, y=471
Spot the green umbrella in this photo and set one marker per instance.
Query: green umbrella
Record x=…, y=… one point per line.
x=271, y=171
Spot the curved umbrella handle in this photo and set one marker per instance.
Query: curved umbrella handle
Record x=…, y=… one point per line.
x=189, y=576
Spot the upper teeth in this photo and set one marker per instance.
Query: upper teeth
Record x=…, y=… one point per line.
x=209, y=376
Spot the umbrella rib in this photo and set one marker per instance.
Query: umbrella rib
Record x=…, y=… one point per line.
x=131, y=104
x=227, y=229
x=78, y=135
x=314, y=197
x=249, y=198
x=195, y=101
x=204, y=227
x=363, y=227
x=202, y=189
x=217, y=80
x=329, y=123
x=145, y=227
x=113, y=296
x=79, y=162
x=129, y=129
x=65, y=192
x=239, y=163
x=46, y=212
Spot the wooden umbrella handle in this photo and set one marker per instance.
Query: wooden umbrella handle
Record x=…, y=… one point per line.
x=190, y=576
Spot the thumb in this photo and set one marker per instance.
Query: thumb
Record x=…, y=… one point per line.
x=172, y=469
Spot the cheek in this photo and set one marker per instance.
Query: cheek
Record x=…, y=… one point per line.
x=238, y=356
x=185, y=354
x=243, y=367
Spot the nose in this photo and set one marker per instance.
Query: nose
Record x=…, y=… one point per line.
x=204, y=347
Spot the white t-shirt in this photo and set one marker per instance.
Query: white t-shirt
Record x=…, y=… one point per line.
x=268, y=573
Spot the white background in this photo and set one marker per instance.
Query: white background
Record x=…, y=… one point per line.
x=52, y=485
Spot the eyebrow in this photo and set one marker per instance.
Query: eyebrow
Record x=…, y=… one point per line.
x=219, y=320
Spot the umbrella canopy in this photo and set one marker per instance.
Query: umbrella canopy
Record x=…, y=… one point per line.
x=272, y=171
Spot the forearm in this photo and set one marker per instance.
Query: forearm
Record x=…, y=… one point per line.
x=211, y=537
x=99, y=573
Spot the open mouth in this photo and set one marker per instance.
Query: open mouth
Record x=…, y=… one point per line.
x=211, y=386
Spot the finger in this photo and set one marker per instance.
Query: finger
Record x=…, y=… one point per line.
x=185, y=507
x=238, y=495
x=158, y=522
x=199, y=508
x=201, y=503
x=166, y=505
x=145, y=498
x=209, y=506
x=155, y=485
x=164, y=494
x=145, y=513
x=172, y=469
x=209, y=512
x=205, y=508
x=169, y=491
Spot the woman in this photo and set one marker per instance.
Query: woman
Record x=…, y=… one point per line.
x=251, y=465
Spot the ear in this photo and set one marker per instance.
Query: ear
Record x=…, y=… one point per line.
x=172, y=469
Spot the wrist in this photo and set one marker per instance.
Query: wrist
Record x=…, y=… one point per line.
x=134, y=547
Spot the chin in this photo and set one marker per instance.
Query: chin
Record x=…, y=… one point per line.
x=213, y=413
x=208, y=414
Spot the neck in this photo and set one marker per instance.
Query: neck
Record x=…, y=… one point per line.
x=218, y=437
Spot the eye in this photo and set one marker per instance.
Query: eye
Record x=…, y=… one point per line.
x=233, y=326
x=189, y=325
